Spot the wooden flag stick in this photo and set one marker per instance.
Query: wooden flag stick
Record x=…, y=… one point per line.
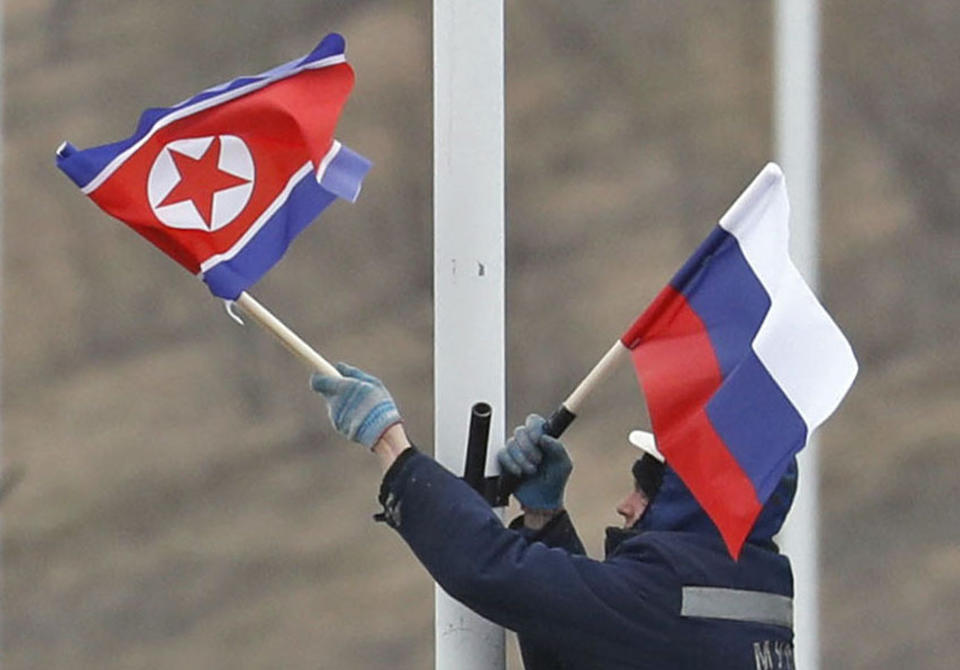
x=564, y=415
x=596, y=376
x=601, y=371
x=290, y=339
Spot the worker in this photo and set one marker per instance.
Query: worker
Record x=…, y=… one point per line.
x=667, y=595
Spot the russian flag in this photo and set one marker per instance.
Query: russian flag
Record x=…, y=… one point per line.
x=738, y=361
x=224, y=181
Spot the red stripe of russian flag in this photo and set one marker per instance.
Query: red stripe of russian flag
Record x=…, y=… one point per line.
x=679, y=373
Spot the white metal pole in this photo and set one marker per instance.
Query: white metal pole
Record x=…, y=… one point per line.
x=2, y=636
x=469, y=339
x=797, y=48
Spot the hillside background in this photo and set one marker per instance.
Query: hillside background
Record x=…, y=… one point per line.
x=183, y=501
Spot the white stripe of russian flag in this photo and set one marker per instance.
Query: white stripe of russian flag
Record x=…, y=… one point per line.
x=800, y=345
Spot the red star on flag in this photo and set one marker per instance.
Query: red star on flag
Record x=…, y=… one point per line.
x=200, y=180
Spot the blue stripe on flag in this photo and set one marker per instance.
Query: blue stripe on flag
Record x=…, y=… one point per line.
x=749, y=411
x=83, y=166
x=344, y=175
x=230, y=277
x=760, y=426
x=727, y=296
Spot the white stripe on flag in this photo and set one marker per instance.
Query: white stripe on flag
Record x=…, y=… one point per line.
x=122, y=157
x=800, y=345
x=327, y=159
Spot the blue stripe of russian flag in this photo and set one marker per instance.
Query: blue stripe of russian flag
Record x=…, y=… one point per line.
x=749, y=411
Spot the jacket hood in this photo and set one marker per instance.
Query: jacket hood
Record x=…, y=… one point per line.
x=675, y=509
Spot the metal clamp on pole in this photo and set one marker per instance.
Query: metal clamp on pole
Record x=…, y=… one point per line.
x=474, y=468
x=477, y=438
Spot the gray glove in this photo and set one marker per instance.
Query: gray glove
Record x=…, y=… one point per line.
x=540, y=461
x=361, y=408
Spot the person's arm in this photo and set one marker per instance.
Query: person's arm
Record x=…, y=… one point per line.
x=537, y=519
x=548, y=596
x=362, y=410
x=393, y=443
x=550, y=525
x=543, y=467
x=551, y=596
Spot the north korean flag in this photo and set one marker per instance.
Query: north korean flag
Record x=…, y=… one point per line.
x=224, y=181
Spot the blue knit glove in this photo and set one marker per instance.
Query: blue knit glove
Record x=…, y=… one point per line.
x=360, y=406
x=540, y=461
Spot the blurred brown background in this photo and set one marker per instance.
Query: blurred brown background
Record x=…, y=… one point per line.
x=184, y=503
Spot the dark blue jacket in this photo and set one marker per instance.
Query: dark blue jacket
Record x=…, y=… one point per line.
x=667, y=595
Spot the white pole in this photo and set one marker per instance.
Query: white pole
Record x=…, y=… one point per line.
x=797, y=141
x=2, y=636
x=469, y=341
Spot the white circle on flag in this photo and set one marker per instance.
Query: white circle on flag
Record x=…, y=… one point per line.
x=235, y=160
